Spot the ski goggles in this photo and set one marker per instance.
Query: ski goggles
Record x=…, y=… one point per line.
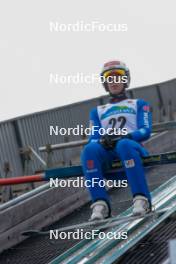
x=115, y=71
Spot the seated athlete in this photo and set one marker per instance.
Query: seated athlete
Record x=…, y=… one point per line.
x=121, y=112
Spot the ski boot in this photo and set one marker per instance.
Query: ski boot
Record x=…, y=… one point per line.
x=141, y=205
x=100, y=210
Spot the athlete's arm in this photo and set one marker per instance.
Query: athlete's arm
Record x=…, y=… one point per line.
x=144, y=122
x=94, y=125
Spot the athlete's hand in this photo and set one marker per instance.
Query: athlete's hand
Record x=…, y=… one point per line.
x=109, y=141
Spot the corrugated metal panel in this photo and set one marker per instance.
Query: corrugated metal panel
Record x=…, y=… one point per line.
x=9, y=149
x=168, y=93
x=159, y=94
x=149, y=94
x=34, y=129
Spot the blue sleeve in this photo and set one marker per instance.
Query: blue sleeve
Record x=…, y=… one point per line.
x=94, y=122
x=144, y=122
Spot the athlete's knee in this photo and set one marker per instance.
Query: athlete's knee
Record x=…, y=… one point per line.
x=124, y=144
x=92, y=148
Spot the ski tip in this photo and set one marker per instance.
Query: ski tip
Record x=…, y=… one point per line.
x=30, y=233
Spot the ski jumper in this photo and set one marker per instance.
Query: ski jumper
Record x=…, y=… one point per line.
x=135, y=116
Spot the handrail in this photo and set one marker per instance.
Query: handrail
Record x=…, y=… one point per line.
x=24, y=196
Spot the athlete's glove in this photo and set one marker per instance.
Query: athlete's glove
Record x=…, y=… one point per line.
x=110, y=141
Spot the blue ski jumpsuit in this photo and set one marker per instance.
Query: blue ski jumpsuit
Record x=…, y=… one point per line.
x=135, y=116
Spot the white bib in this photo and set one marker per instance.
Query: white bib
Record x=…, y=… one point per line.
x=119, y=115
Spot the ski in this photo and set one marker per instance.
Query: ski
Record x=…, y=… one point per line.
x=153, y=160
x=100, y=224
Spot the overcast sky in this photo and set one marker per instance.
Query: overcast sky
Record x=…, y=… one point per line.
x=30, y=51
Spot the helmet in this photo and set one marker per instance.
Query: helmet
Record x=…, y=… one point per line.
x=111, y=67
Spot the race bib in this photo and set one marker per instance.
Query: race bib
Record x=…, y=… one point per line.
x=119, y=115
